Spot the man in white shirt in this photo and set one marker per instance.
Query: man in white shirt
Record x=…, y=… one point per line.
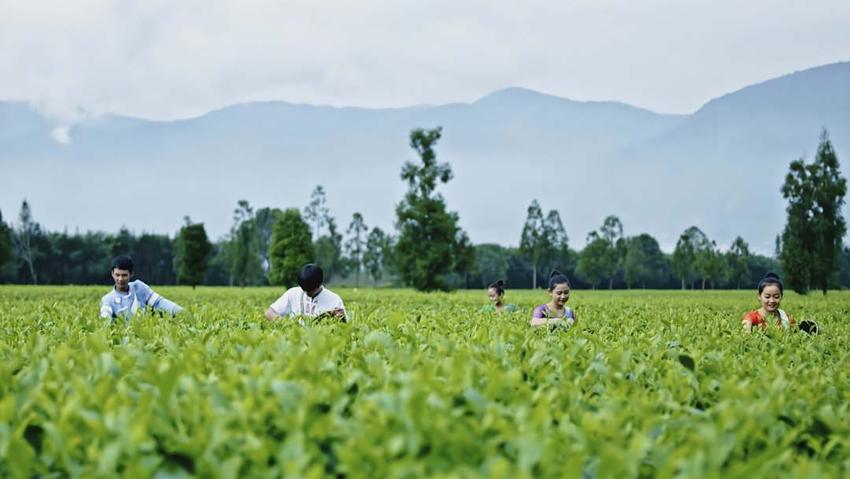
x=127, y=297
x=309, y=298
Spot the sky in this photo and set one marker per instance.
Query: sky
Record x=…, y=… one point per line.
x=164, y=60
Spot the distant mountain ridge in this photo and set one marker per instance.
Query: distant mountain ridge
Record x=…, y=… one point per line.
x=719, y=168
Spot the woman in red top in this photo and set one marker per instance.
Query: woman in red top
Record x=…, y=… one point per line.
x=770, y=296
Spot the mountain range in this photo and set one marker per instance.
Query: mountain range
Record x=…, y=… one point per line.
x=719, y=168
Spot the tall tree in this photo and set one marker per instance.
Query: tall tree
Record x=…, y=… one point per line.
x=491, y=264
x=264, y=220
x=534, y=241
x=708, y=263
x=7, y=252
x=737, y=262
x=592, y=264
x=428, y=247
x=688, y=246
x=245, y=260
x=464, y=256
x=27, y=229
x=644, y=263
x=192, y=253
x=812, y=239
x=374, y=258
x=356, y=244
x=558, y=241
x=291, y=248
x=612, y=232
x=844, y=268
x=328, y=250
x=317, y=213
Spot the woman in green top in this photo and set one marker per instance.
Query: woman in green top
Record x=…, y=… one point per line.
x=496, y=294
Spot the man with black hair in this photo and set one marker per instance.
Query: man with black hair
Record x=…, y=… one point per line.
x=309, y=298
x=127, y=297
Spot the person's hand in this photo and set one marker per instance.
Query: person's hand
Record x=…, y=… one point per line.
x=337, y=313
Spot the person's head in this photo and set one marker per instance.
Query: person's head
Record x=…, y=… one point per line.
x=559, y=288
x=496, y=291
x=770, y=292
x=122, y=271
x=310, y=278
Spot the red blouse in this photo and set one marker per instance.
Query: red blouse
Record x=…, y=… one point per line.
x=755, y=319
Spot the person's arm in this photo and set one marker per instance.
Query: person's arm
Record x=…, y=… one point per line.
x=281, y=307
x=570, y=316
x=539, y=318
x=747, y=323
x=156, y=301
x=164, y=305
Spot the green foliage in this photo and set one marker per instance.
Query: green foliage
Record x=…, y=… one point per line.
x=242, y=249
x=605, y=252
x=430, y=246
x=534, y=242
x=264, y=220
x=192, y=253
x=812, y=239
x=291, y=248
x=26, y=246
x=544, y=241
x=7, y=251
x=644, y=261
x=737, y=262
x=356, y=245
x=646, y=384
x=708, y=263
x=591, y=263
x=377, y=254
x=690, y=258
x=317, y=213
x=491, y=264
x=328, y=249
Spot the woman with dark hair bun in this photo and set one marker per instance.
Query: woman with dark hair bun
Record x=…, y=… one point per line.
x=770, y=291
x=555, y=312
x=496, y=294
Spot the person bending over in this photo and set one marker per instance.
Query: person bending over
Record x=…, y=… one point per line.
x=496, y=295
x=310, y=298
x=556, y=312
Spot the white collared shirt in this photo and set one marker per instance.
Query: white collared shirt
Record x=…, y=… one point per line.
x=118, y=304
x=296, y=302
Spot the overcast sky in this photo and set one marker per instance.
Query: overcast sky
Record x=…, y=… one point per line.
x=166, y=59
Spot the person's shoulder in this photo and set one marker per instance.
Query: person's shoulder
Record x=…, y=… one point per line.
x=753, y=316
x=293, y=292
x=331, y=295
x=139, y=284
x=108, y=296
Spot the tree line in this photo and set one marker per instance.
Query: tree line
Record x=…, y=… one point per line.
x=429, y=251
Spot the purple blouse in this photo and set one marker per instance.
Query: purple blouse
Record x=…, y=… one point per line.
x=543, y=312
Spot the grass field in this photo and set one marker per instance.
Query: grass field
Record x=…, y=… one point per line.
x=648, y=384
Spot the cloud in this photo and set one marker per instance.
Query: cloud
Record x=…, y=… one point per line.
x=165, y=60
x=60, y=134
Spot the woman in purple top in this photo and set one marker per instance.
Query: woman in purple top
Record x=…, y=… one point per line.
x=555, y=312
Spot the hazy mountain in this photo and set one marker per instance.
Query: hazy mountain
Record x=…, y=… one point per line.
x=719, y=168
